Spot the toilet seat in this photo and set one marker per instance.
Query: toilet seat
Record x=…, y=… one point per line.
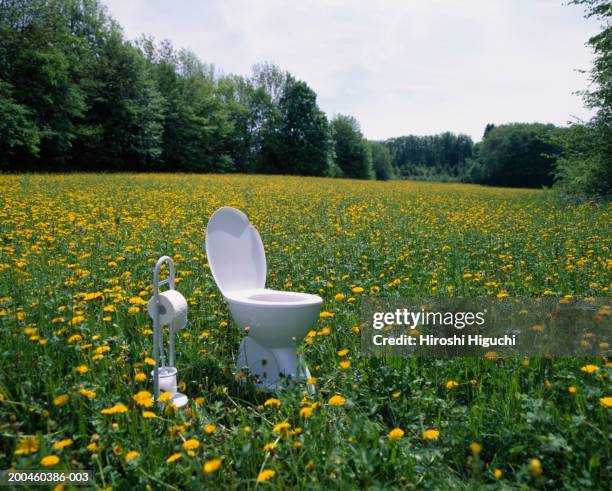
x=264, y=297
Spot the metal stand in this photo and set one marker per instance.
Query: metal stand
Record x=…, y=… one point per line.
x=178, y=399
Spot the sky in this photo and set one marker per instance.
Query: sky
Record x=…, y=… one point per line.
x=399, y=66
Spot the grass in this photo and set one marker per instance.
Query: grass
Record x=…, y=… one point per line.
x=77, y=253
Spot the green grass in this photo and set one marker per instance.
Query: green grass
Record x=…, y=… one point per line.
x=72, y=245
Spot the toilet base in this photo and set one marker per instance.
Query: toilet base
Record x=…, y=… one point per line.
x=274, y=368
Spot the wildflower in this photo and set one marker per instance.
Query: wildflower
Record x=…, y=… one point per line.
x=148, y=414
x=62, y=444
x=272, y=402
x=451, y=384
x=357, y=289
x=306, y=412
x=131, y=455
x=143, y=398
x=589, y=368
x=324, y=315
x=149, y=361
x=535, y=466
x=498, y=473
x=174, y=457
x=137, y=301
x=133, y=310
x=396, y=394
x=476, y=448
x=343, y=352
x=571, y=389
x=82, y=369
x=75, y=338
x=431, y=434
x=209, y=429
x=92, y=447
x=118, y=408
x=606, y=401
x=140, y=377
x=279, y=427
x=60, y=400
x=191, y=444
x=345, y=364
x=165, y=397
x=268, y=447
x=311, y=380
x=336, y=400
x=27, y=444
x=117, y=450
x=211, y=465
x=396, y=434
x=49, y=460
x=90, y=394
x=339, y=297
x=265, y=475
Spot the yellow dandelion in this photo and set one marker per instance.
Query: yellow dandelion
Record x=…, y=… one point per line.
x=61, y=400
x=27, y=444
x=589, y=368
x=265, y=475
x=451, y=384
x=345, y=364
x=210, y=428
x=606, y=401
x=90, y=394
x=336, y=400
x=191, y=444
x=431, y=434
x=62, y=444
x=174, y=457
x=279, y=427
x=476, y=448
x=272, y=402
x=49, y=460
x=143, y=398
x=148, y=414
x=131, y=455
x=212, y=465
x=396, y=434
x=535, y=467
x=118, y=408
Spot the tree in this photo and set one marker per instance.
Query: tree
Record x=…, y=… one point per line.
x=353, y=155
x=585, y=167
x=516, y=155
x=382, y=161
x=304, y=142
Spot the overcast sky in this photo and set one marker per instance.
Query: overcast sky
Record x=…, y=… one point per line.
x=399, y=66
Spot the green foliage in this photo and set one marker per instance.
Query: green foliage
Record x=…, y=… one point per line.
x=304, y=137
x=515, y=155
x=431, y=156
x=585, y=168
x=382, y=161
x=353, y=154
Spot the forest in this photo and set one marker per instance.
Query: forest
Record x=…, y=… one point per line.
x=75, y=94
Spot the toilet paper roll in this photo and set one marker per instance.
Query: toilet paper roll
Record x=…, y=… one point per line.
x=172, y=309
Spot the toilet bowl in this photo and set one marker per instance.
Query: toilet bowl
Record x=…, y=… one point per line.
x=277, y=321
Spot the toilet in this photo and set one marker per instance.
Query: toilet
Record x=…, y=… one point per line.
x=276, y=321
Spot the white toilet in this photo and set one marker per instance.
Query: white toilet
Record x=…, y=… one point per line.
x=277, y=320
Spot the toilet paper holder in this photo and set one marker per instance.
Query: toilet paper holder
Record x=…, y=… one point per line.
x=168, y=373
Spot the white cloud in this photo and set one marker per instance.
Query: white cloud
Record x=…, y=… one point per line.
x=398, y=66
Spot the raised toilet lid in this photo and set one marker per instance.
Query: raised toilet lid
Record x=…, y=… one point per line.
x=236, y=254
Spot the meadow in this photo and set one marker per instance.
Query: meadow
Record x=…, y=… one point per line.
x=76, y=259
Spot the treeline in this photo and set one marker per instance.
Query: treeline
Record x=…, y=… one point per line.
x=76, y=95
